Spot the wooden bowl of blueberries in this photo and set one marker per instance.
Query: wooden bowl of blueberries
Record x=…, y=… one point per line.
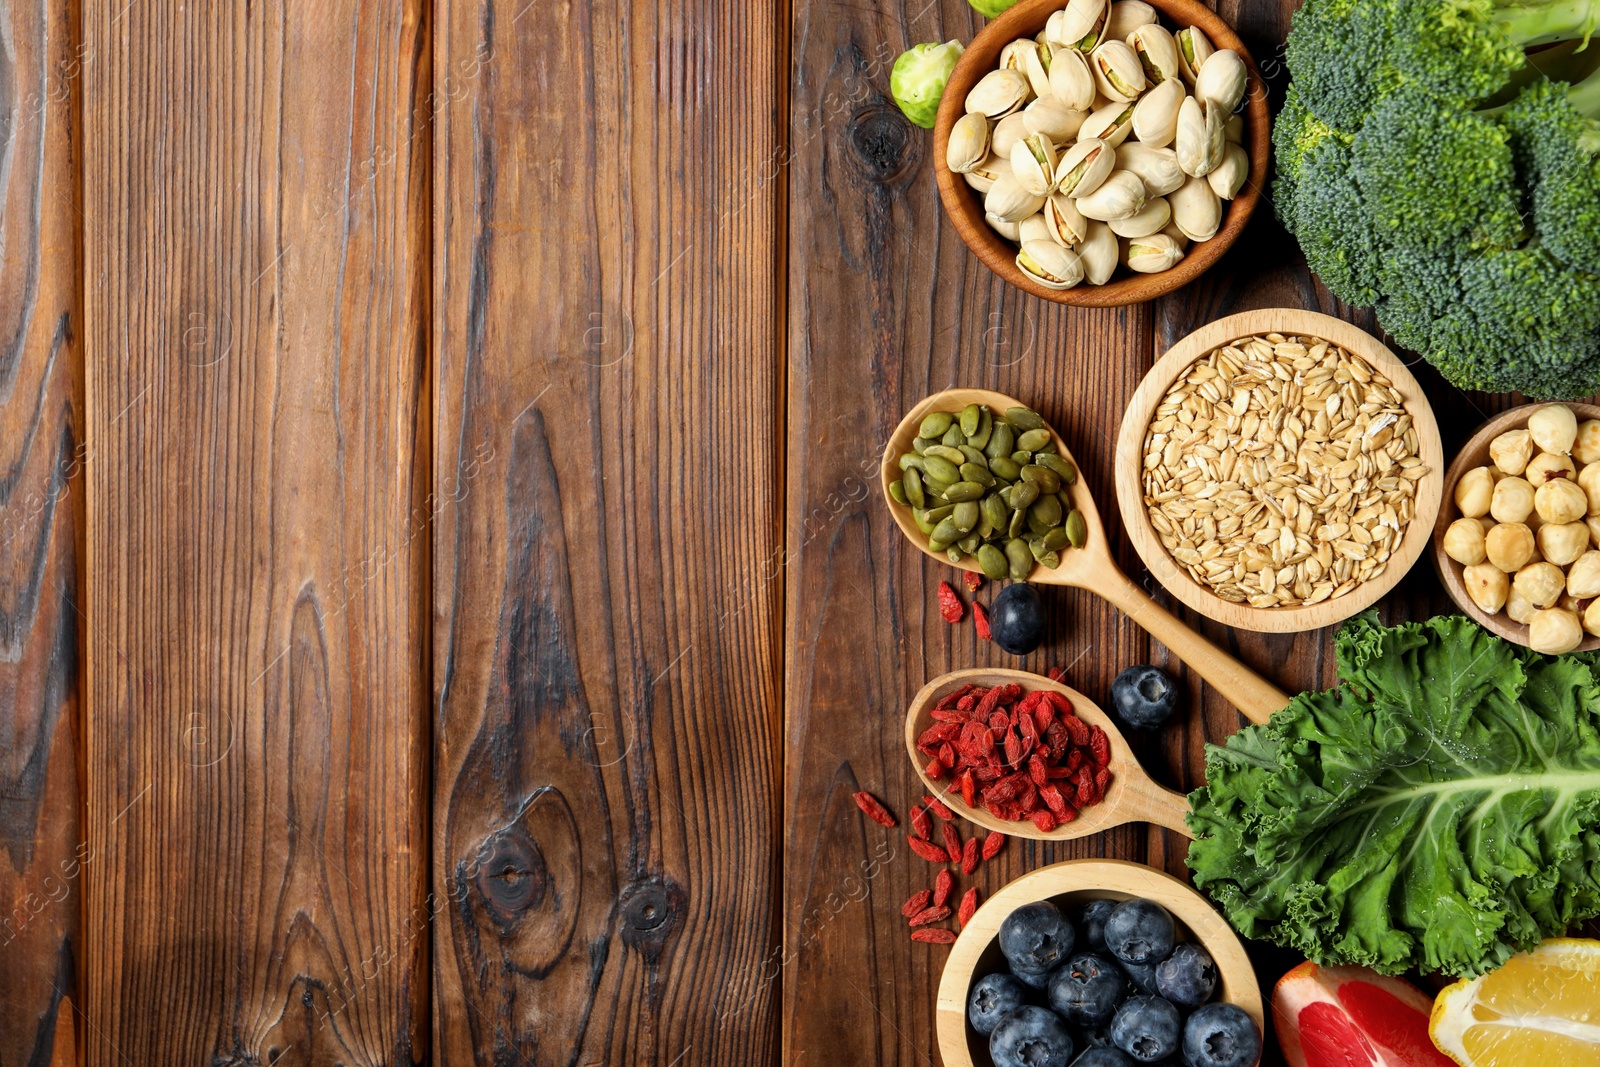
x=1098, y=956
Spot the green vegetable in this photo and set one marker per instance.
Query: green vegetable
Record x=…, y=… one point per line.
x=1430, y=172
x=1440, y=810
x=990, y=8
x=918, y=79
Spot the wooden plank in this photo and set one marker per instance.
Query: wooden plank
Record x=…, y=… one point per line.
x=43, y=852
x=608, y=483
x=256, y=231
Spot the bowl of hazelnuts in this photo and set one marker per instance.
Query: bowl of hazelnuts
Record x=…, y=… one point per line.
x=1517, y=542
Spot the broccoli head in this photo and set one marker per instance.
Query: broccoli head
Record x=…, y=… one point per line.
x=1556, y=148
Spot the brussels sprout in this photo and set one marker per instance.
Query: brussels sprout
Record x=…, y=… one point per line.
x=918, y=79
x=990, y=8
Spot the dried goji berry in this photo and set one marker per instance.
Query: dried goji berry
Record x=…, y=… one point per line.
x=928, y=851
x=1076, y=760
x=1077, y=729
x=921, y=825
x=955, y=696
x=1016, y=749
x=1102, y=781
x=969, y=904
x=947, y=753
x=917, y=902
x=1053, y=800
x=950, y=605
x=930, y=915
x=1067, y=814
x=968, y=788
x=1037, y=770
x=935, y=769
x=952, y=841
x=937, y=733
x=969, y=856
x=1044, y=820
x=1055, y=674
x=980, y=621
x=939, y=808
x=942, y=885
x=967, y=703
x=988, y=700
x=974, y=580
x=874, y=809
x=999, y=722
x=934, y=936
x=1099, y=746
x=993, y=844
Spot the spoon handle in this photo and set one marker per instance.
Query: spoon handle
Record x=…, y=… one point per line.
x=1145, y=801
x=1252, y=694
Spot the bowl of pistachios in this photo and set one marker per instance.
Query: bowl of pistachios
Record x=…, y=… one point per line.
x=1102, y=152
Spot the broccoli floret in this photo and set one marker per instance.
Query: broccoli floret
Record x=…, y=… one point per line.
x=1335, y=230
x=1556, y=148
x=1339, y=53
x=1465, y=50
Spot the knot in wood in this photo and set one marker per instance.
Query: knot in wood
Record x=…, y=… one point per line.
x=651, y=909
x=511, y=875
x=881, y=139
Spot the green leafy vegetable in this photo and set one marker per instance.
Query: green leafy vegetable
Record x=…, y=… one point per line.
x=918, y=79
x=1440, y=809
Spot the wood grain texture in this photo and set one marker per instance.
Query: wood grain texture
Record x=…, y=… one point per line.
x=608, y=580
x=43, y=852
x=256, y=238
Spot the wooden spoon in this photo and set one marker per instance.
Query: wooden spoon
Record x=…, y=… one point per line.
x=1090, y=567
x=1132, y=796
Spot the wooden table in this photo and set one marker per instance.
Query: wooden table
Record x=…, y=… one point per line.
x=444, y=603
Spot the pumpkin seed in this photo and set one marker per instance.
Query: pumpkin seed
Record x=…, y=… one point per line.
x=1019, y=558
x=1023, y=494
x=965, y=516
x=1000, y=441
x=1046, y=479
x=985, y=427
x=1033, y=440
x=934, y=424
x=963, y=491
x=911, y=461
x=942, y=470
x=920, y=445
x=953, y=437
x=1077, y=529
x=1021, y=418
x=970, y=416
x=1055, y=539
x=913, y=488
x=993, y=562
x=995, y=512
x=977, y=472
x=944, y=535
x=1047, y=510
x=1003, y=467
x=945, y=452
x=1067, y=472
x=897, y=491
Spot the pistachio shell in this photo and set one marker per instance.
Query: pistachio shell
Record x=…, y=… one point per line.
x=1007, y=132
x=998, y=93
x=969, y=143
x=1098, y=254
x=1153, y=254
x=1011, y=56
x=1235, y=131
x=1196, y=210
x=1118, y=197
x=1200, y=137
x=1033, y=228
x=1033, y=164
x=1194, y=48
x=1231, y=173
x=1011, y=231
x=1156, y=167
x=1111, y=123
x=1151, y=218
x=1157, y=52
x=1155, y=116
x=1178, y=236
x=1117, y=73
x=1126, y=16
x=1065, y=223
x=1010, y=201
x=1222, y=80
x=983, y=176
x=1049, y=116
x=1071, y=80
x=1073, y=25
x=1084, y=166
x=1036, y=64
x=1049, y=264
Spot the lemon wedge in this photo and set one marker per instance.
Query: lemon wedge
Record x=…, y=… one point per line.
x=1540, y=1009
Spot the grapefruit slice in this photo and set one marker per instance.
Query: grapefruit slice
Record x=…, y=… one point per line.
x=1352, y=1017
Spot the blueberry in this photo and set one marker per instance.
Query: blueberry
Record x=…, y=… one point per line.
x=1092, y=921
x=1087, y=989
x=1030, y=1037
x=1016, y=621
x=1105, y=1056
x=1187, y=977
x=1147, y=1028
x=1142, y=975
x=1035, y=937
x=992, y=996
x=1143, y=697
x=1139, y=931
x=1039, y=980
x=1221, y=1035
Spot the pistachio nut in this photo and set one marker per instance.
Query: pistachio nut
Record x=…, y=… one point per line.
x=1155, y=116
x=1235, y=130
x=969, y=143
x=1066, y=224
x=1151, y=218
x=1179, y=238
x=1084, y=166
x=983, y=175
x=1119, y=196
x=1006, y=133
x=1194, y=48
x=1079, y=24
x=1071, y=80
x=1156, y=167
x=1011, y=56
x=1157, y=52
x=1196, y=210
x=1049, y=116
x=998, y=93
x=1117, y=73
x=1098, y=254
x=1033, y=164
x=1036, y=65
x=1049, y=264
x=1153, y=254
x=1010, y=201
x=1125, y=16
x=1222, y=80
x=1200, y=137
x=1231, y=173
x=1033, y=228
x=1011, y=231
x=1111, y=123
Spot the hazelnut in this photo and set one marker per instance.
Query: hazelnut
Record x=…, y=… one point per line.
x=1512, y=500
x=1487, y=585
x=1586, y=449
x=1509, y=546
x=1541, y=584
x=1591, y=618
x=1463, y=542
x=1593, y=522
x=1554, y=428
x=1511, y=451
x=1474, y=491
x=1554, y=631
x=1589, y=482
x=1517, y=606
x=1583, y=577
x=1561, y=501
x=1561, y=542
x=1546, y=466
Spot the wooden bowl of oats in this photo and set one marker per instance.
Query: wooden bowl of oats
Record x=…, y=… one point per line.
x=1279, y=470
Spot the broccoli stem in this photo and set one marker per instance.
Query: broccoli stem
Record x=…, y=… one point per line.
x=1585, y=96
x=1547, y=21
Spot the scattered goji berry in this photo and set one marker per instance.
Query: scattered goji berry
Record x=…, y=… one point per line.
x=939, y=808
x=969, y=856
x=928, y=851
x=1044, y=821
x=950, y=606
x=1055, y=674
x=934, y=936
x=921, y=824
x=974, y=580
x=952, y=841
x=917, y=903
x=942, y=885
x=993, y=844
x=969, y=904
x=874, y=809
x=930, y=915
x=980, y=620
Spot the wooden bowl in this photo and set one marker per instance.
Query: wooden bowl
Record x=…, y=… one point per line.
x=1475, y=453
x=1130, y=467
x=964, y=204
x=1070, y=884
